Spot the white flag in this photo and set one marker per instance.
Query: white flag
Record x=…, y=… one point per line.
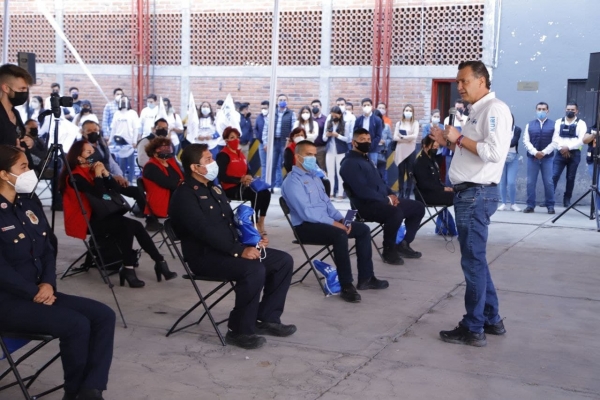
x=227, y=116
x=193, y=123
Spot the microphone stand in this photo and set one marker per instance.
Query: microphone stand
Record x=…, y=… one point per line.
x=55, y=152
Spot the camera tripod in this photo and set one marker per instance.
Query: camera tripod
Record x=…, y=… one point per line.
x=593, y=191
x=55, y=152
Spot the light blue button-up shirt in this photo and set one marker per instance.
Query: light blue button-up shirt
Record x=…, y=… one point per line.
x=305, y=195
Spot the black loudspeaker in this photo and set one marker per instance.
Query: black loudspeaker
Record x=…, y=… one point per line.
x=593, y=80
x=27, y=62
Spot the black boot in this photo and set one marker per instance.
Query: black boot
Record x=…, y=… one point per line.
x=69, y=396
x=128, y=274
x=161, y=268
x=90, y=394
x=390, y=256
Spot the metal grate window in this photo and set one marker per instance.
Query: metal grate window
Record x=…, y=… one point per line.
x=31, y=33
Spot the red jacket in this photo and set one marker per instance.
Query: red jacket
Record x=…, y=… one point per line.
x=75, y=224
x=237, y=167
x=157, y=197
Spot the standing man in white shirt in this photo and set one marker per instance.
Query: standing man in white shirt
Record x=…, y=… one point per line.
x=568, y=140
x=148, y=115
x=537, y=139
x=479, y=154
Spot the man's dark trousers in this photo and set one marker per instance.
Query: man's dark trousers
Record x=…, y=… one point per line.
x=391, y=217
x=338, y=238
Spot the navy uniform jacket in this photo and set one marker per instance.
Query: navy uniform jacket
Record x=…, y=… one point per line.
x=364, y=180
x=203, y=220
x=27, y=257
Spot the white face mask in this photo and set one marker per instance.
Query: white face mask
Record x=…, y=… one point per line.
x=118, y=97
x=35, y=105
x=264, y=112
x=212, y=171
x=305, y=116
x=435, y=120
x=298, y=139
x=382, y=111
x=26, y=182
x=205, y=111
x=367, y=110
x=151, y=105
x=407, y=114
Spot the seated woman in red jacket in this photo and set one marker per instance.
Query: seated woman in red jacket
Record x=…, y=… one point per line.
x=427, y=175
x=235, y=177
x=161, y=176
x=92, y=179
x=297, y=135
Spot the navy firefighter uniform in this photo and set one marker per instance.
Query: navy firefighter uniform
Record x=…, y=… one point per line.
x=203, y=220
x=84, y=327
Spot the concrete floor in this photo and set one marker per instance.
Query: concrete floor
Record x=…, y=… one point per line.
x=387, y=346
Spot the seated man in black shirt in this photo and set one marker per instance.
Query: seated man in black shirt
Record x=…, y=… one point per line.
x=427, y=175
x=203, y=220
x=376, y=202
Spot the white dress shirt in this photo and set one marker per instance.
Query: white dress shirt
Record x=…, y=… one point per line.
x=490, y=125
x=572, y=143
x=529, y=146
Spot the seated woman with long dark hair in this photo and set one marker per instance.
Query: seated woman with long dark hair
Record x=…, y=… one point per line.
x=92, y=179
x=298, y=135
x=161, y=176
x=29, y=301
x=427, y=175
x=235, y=177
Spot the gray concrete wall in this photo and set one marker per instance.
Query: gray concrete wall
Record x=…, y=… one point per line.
x=548, y=42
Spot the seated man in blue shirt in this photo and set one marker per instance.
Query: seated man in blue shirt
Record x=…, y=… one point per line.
x=376, y=202
x=317, y=221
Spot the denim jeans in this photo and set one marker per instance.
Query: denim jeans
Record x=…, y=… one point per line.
x=508, y=182
x=263, y=160
x=534, y=167
x=127, y=165
x=473, y=208
x=276, y=175
x=559, y=165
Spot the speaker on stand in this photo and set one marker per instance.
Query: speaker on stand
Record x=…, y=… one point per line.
x=27, y=62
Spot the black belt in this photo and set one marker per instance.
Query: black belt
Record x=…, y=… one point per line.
x=466, y=185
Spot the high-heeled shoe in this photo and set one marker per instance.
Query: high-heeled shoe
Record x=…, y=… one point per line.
x=161, y=268
x=128, y=274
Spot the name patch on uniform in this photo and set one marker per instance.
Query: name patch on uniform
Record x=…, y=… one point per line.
x=8, y=228
x=32, y=217
x=492, y=124
x=203, y=197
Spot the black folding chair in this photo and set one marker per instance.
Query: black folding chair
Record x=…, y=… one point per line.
x=161, y=231
x=376, y=230
x=172, y=237
x=111, y=255
x=438, y=208
x=25, y=382
x=324, y=250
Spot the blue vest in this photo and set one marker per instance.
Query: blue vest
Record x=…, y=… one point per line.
x=541, y=137
x=568, y=131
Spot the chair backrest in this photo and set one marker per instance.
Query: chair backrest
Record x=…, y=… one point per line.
x=284, y=207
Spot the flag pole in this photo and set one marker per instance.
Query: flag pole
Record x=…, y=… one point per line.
x=272, y=94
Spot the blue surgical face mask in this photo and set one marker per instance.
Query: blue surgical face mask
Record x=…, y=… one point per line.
x=283, y=104
x=542, y=115
x=310, y=163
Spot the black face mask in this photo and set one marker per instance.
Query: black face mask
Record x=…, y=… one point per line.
x=336, y=120
x=93, y=137
x=75, y=96
x=19, y=98
x=33, y=132
x=432, y=152
x=161, y=132
x=570, y=114
x=165, y=156
x=92, y=158
x=316, y=110
x=363, y=147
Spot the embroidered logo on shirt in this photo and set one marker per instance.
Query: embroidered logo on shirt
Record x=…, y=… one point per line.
x=3, y=205
x=32, y=217
x=21, y=236
x=217, y=189
x=8, y=228
x=492, y=124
